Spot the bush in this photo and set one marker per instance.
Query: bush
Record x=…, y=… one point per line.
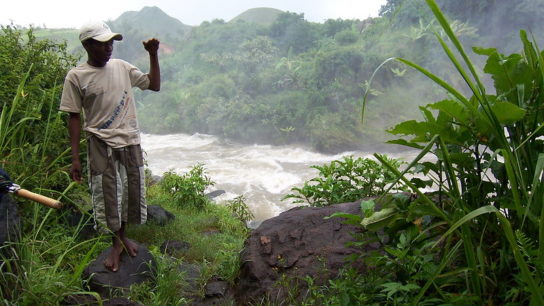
x=239, y=209
x=188, y=189
x=344, y=180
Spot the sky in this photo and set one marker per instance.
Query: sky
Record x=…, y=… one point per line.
x=74, y=13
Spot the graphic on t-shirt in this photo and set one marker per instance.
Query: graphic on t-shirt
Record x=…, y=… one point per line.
x=116, y=112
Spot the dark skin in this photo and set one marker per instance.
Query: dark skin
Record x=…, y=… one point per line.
x=98, y=55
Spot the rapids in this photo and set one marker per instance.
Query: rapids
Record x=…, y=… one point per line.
x=264, y=174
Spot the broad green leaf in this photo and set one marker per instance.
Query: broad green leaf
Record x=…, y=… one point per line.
x=406, y=143
x=367, y=208
x=380, y=219
x=508, y=113
x=484, y=51
x=454, y=109
x=412, y=127
x=350, y=218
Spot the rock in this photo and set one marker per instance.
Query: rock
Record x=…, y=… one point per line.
x=10, y=222
x=132, y=270
x=191, y=275
x=215, y=194
x=159, y=215
x=175, y=247
x=155, y=179
x=85, y=299
x=121, y=301
x=79, y=299
x=216, y=289
x=217, y=292
x=293, y=245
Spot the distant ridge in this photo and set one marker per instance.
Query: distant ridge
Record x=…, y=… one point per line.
x=260, y=15
x=150, y=21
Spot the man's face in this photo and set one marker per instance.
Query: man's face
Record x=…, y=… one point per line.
x=99, y=52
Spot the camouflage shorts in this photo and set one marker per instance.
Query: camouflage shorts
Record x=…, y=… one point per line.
x=117, y=184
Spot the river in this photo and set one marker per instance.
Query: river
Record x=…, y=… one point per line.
x=264, y=174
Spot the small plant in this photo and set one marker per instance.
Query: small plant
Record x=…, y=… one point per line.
x=345, y=180
x=239, y=209
x=188, y=189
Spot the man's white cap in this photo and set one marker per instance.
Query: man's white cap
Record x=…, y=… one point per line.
x=98, y=31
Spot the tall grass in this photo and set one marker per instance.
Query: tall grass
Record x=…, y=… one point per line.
x=45, y=265
x=489, y=169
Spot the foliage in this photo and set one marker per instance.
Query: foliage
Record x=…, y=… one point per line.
x=29, y=122
x=288, y=82
x=475, y=237
x=345, y=180
x=239, y=209
x=45, y=265
x=188, y=188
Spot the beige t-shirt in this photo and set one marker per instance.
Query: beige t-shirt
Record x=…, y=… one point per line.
x=106, y=98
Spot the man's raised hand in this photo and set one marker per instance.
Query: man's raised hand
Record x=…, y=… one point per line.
x=151, y=45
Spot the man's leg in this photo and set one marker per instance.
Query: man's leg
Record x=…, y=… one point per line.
x=134, y=208
x=129, y=246
x=120, y=243
x=107, y=192
x=114, y=257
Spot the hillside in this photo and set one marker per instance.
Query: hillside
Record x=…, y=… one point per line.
x=260, y=15
x=137, y=26
x=150, y=21
x=70, y=36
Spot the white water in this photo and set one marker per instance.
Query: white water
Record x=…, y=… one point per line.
x=262, y=173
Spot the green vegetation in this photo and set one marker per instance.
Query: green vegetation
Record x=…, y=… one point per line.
x=477, y=242
x=478, y=239
x=189, y=188
x=214, y=235
x=44, y=267
x=346, y=180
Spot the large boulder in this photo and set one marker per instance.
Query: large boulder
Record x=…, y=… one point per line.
x=297, y=243
x=132, y=270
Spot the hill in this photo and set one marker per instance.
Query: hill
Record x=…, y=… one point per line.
x=150, y=21
x=260, y=15
x=137, y=26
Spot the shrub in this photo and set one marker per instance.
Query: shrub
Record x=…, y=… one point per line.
x=344, y=180
x=188, y=189
x=239, y=209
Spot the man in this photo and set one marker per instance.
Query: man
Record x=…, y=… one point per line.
x=101, y=89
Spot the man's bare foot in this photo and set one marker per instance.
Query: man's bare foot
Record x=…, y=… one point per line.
x=112, y=261
x=131, y=247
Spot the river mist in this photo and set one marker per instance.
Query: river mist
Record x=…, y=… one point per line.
x=264, y=174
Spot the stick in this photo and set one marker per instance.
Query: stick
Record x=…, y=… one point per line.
x=38, y=198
